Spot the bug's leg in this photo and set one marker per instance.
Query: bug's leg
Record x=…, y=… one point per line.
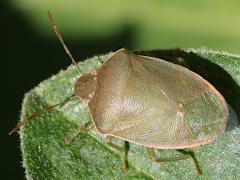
x=154, y=158
x=182, y=62
x=100, y=60
x=80, y=130
x=109, y=142
x=121, y=149
x=191, y=154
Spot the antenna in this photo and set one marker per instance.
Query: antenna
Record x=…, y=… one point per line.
x=57, y=32
x=33, y=115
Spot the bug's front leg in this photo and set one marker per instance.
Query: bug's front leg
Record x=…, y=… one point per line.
x=121, y=149
x=154, y=158
x=80, y=130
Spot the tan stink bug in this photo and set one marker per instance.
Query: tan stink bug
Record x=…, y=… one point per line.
x=150, y=102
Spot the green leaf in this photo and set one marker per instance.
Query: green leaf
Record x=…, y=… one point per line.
x=46, y=156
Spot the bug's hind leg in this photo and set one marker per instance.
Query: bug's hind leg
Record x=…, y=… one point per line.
x=80, y=130
x=185, y=155
x=121, y=149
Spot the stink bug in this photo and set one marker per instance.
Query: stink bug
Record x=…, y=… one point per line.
x=150, y=102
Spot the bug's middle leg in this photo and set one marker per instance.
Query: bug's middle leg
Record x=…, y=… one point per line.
x=121, y=149
x=154, y=158
x=80, y=130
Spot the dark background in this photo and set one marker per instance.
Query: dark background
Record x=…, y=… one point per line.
x=28, y=59
x=30, y=55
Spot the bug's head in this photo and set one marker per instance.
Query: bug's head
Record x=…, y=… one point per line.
x=86, y=85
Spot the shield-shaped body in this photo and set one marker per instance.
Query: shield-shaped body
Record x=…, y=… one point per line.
x=154, y=103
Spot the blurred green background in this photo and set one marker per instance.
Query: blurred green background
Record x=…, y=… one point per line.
x=31, y=52
x=151, y=24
